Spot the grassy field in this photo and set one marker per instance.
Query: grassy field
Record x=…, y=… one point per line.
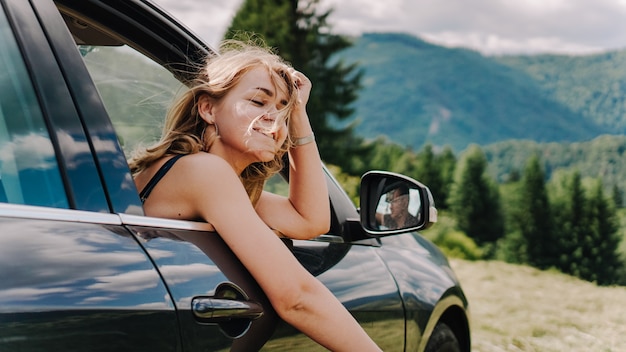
x=518, y=308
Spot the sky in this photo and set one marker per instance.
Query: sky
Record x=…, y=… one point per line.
x=492, y=27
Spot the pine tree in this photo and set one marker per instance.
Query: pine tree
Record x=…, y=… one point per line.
x=302, y=35
x=447, y=166
x=535, y=216
x=475, y=201
x=428, y=171
x=601, y=250
x=618, y=197
x=571, y=223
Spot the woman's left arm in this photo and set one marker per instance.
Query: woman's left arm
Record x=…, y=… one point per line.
x=306, y=212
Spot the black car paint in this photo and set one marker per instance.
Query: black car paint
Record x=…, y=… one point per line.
x=63, y=285
x=58, y=288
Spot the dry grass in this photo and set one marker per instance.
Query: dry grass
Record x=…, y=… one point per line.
x=518, y=308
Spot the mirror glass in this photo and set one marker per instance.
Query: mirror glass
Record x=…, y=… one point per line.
x=399, y=207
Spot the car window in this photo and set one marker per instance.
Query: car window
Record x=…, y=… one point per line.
x=29, y=173
x=135, y=90
x=136, y=93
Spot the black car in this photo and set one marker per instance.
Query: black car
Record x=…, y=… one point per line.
x=83, y=82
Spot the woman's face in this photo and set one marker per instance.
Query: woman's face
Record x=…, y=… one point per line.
x=399, y=204
x=250, y=119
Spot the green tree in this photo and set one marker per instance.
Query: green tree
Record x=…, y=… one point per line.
x=618, y=197
x=475, y=201
x=534, y=218
x=571, y=222
x=407, y=164
x=384, y=156
x=512, y=246
x=428, y=171
x=301, y=34
x=447, y=165
x=600, y=248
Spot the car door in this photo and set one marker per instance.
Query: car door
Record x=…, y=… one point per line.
x=136, y=83
x=214, y=297
x=70, y=279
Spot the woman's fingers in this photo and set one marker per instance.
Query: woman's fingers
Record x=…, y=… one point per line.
x=302, y=83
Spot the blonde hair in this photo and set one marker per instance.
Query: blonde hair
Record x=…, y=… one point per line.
x=185, y=132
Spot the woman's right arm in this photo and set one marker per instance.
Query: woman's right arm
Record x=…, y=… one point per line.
x=297, y=296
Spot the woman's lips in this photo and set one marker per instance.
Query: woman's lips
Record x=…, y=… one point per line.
x=268, y=135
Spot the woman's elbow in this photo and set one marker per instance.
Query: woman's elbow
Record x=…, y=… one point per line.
x=322, y=225
x=318, y=232
x=314, y=229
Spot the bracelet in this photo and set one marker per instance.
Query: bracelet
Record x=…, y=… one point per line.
x=304, y=140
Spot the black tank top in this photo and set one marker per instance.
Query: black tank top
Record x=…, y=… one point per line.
x=157, y=177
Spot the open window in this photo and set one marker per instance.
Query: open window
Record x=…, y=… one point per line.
x=138, y=62
x=135, y=90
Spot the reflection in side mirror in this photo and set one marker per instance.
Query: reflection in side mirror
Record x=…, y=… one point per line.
x=399, y=208
x=393, y=203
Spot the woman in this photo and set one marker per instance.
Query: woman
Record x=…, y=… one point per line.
x=246, y=110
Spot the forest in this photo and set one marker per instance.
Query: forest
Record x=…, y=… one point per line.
x=545, y=213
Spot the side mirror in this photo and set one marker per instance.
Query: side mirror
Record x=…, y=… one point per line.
x=392, y=203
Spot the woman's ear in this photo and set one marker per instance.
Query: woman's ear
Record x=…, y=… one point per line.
x=205, y=108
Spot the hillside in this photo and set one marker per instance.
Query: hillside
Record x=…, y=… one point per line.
x=415, y=92
x=594, y=85
x=603, y=156
x=518, y=308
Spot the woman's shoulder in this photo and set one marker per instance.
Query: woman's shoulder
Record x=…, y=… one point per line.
x=204, y=160
x=193, y=175
x=199, y=165
x=202, y=181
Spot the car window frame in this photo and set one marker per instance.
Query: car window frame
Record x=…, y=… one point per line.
x=57, y=106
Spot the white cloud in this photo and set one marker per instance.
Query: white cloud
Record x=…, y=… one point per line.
x=490, y=26
x=492, y=44
x=208, y=19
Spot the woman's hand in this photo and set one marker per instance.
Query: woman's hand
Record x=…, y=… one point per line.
x=303, y=85
x=300, y=125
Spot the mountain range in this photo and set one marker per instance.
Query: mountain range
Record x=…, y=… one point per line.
x=415, y=92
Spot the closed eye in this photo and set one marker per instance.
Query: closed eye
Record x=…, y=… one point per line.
x=257, y=102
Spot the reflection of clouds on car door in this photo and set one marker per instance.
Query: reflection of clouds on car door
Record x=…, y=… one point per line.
x=74, y=264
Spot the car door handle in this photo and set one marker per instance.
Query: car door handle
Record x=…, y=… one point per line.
x=228, y=303
x=213, y=310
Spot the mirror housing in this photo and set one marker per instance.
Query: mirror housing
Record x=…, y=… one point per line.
x=392, y=203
